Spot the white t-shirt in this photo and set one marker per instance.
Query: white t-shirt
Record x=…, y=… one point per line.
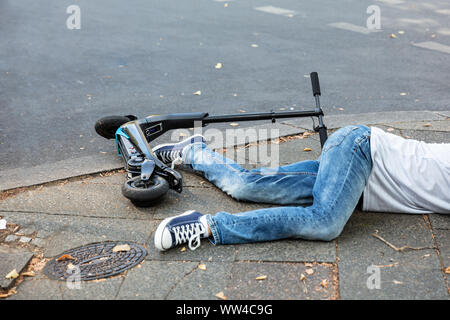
x=408, y=176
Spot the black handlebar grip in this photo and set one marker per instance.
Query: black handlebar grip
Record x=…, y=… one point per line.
x=315, y=83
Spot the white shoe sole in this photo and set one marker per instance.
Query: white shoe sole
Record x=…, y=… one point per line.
x=162, y=226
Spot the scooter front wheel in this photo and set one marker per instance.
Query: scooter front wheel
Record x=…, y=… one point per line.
x=107, y=126
x=145, y=193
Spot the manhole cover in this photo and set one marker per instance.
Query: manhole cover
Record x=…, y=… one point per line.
x=95, y=261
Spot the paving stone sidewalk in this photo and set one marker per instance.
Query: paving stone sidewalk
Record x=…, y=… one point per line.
x=47, y=219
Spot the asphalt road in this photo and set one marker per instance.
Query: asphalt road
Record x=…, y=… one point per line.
x=149, y=57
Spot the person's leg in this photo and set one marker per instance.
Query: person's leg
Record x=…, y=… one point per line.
x=290, y=184
x=345, y=165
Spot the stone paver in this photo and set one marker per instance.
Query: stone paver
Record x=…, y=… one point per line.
x=38, y=289
x=288, y=251
x=423, y=125
x=202, y=284
x=261, y=132
x=92, y=290
x=283, y=281
x=442, y=238
x=39, y=242
x=441, y=230
x=11, y=237
x=25, y=239
x=41, y=288
x=428, y=136
x=77, y=198
x=439, y=221
x=154, y=279
x=412, y=274
x=63, y=169
x=260, y=155
x=10, y=259
x=338, y=121
x=72, y=231
x=206, y=252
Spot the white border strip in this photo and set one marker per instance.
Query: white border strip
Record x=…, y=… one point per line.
x=351, y=27
x=431, y=45
x=276, y=10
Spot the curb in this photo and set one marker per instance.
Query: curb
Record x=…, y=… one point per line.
x=59, y=170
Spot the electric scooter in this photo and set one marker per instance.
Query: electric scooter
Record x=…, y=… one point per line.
x=149, y=179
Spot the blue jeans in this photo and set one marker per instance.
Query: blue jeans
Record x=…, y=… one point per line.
x=330, y=186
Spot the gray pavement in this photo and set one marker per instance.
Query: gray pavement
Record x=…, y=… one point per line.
x=58, y=215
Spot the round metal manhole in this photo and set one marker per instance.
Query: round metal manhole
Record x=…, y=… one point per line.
x=95, y=260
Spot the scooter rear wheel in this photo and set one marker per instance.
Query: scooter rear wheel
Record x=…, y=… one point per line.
x=145, y=193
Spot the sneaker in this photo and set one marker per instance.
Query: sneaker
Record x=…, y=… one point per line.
x=172, y=153
x=184, y=228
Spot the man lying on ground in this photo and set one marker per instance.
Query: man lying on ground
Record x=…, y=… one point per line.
x=389, y=174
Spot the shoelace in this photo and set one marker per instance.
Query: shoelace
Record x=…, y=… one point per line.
x=189, y=233
x=172, y=156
